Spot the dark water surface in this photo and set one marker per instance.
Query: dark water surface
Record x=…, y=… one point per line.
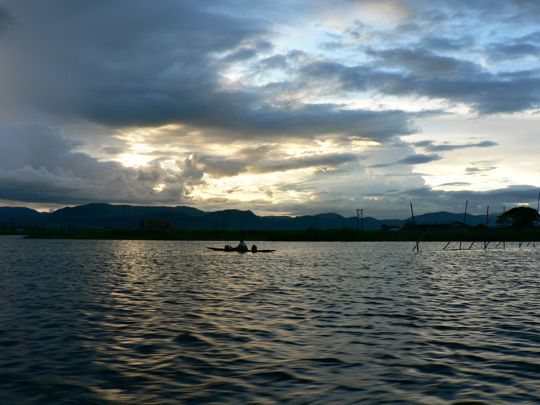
x=172, y=322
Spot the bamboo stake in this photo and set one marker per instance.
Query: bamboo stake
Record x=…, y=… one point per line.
x=464, y=220
x=537, y=212
x=417, y=246
x=486, y=224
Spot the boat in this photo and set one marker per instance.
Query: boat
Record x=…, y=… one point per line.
x=236, y=250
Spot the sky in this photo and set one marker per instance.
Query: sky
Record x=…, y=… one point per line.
x=280, y=107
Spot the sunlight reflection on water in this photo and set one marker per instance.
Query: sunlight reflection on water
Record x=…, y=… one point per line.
x=163, y=322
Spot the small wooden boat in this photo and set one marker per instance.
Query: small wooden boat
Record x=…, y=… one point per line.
x=236, y=250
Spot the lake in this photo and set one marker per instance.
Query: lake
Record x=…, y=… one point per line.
x=117, y=322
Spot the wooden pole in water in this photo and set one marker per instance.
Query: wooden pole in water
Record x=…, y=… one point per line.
x=504, y=241
x=464, y=220
x=417, y=246
x=537, y=212
x=486, y=224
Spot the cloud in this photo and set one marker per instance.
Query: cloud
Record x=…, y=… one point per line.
x=146, y=73
x=220, y=166
x=531, y=37
x=38, y=164
x=455, y=184
x=215, y=89
x=443, y=43
x=479, y=169
x=421, y=62
x=423, y=73
x=432, y=147
x=499, y=52
x=415, y=159
x=112, y=150
x=154, y=61
x=527, y=6
x=248, y=51
x=323, y=160
x=5, y=19
x=426, y=199
x=419, y=159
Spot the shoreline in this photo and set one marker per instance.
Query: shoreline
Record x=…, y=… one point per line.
x=310, y=235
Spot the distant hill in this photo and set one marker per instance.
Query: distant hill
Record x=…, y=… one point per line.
x=108, y=216
x=15, y=216
x=444, y=217
x=116, y=216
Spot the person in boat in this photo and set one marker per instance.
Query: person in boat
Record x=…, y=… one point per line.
x=242, y=247
x=254, y=249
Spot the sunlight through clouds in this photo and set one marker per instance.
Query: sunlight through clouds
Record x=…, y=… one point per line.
x=288, y=106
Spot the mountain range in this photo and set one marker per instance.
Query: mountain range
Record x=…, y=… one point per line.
x=107, y=216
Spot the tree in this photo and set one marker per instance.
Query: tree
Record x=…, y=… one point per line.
x=519, y=217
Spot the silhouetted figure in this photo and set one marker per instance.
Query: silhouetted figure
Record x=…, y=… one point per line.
x=254, y=249
x=242, y=247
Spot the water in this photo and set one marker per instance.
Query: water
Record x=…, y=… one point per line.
x=116, y=322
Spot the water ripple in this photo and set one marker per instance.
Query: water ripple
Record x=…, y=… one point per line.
x=170, y=322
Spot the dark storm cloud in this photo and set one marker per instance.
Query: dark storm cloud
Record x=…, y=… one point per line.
x=157, y=65
x=150, y=60
x=160, y=65
x=432, y=147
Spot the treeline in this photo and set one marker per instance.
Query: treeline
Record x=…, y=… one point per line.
x=312, y=234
